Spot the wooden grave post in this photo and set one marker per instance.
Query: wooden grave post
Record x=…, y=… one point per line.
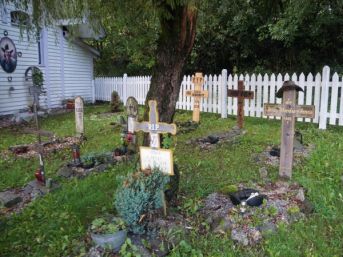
x=153, y=156
x=79, y=116
x=289, y=111
x=241, y=94
x=197, y=93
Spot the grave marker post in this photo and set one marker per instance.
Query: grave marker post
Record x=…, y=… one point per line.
x=241, y=94
x=79, y=116
x=198, y=94
x=289, y=111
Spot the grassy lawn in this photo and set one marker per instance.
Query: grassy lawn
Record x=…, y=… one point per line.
x=56, y=224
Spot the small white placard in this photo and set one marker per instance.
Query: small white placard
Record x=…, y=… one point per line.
x=157, y=158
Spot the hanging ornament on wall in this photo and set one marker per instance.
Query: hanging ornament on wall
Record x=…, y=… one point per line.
x=8, y=55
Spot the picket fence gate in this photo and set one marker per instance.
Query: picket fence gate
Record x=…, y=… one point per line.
x=322, y=91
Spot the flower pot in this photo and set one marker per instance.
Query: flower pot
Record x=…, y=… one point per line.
x=70, y=105
x=112, y=241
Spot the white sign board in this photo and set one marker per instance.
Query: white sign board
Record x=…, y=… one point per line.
x=157, y=158
x=79, y=115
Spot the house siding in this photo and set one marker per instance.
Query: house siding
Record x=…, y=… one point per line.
x=67, y=68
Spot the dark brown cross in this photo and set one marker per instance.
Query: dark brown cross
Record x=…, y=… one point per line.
x=288, y=110
x=241, y=94
x=153, y=127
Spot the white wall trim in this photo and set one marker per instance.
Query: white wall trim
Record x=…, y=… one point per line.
x=62, y=63
x=46, y=62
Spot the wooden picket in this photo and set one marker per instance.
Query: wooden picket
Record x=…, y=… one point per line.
x=325, y=94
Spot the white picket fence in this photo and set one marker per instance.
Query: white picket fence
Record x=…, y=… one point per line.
x=322, y=91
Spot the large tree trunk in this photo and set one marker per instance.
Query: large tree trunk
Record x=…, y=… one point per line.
x=174, y=46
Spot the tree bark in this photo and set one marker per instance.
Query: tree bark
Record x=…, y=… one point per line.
x=174, y=45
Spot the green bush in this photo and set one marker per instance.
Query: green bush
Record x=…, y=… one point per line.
x=140, y=194
x=115, y=102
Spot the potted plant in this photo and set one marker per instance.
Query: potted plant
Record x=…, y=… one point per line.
x=108, y=232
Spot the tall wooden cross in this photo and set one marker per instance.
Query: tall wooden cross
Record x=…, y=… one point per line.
x=288, y=110
x=197, y=93
x=241, y=94
x=153, y=127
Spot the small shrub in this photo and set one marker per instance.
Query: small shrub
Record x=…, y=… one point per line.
x=115, y=102
x=229, y=189
x=293, y=209
x=139, y=195
x=107, y=226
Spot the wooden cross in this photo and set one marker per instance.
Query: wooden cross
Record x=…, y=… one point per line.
x=153, y=127
x=197, y=93
x=288, y=110
x=241, y=95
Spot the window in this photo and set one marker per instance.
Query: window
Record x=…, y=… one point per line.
x=41, y=41
x=3, y=13
x=20, y=18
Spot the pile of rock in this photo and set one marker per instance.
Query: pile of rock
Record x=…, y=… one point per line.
x=285, y=203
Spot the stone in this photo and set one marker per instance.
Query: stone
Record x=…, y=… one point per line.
x=268, y=227
x=300, y=195
x=240, y=237
x=95, y=251
x=255, y=236
x=306, y=207
x=9, y=199
x=101, y=168
x=224, y=226
x=65, y=171
x=263, y=172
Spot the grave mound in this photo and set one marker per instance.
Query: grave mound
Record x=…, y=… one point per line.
x=211, y=141
x=247, y=223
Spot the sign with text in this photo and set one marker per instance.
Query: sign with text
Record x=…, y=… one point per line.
x=157, y=158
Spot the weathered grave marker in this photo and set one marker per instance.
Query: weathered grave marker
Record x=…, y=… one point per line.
x=197, y=93
x=288, y=110
x=79, y=116
x=241, y=94
x=153, y=156
x=132, y=113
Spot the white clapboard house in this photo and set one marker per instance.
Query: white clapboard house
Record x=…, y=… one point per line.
x=67, y=65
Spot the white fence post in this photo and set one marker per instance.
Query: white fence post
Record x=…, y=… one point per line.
x=93, y=91
x=224, y=94
x=324, y=98
x=124, y=88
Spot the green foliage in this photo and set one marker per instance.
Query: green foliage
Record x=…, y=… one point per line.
x=293, y=210
x=185, y=249
x=128, y=249
x=96, y=158
x=227, y=189
x=115, y=102
x=37, y=77
x=107, y=225
x=191, y=206
x=167, y=141
x=140, y=194
x=269, y=36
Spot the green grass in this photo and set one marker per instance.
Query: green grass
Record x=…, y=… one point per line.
x=56, y=224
